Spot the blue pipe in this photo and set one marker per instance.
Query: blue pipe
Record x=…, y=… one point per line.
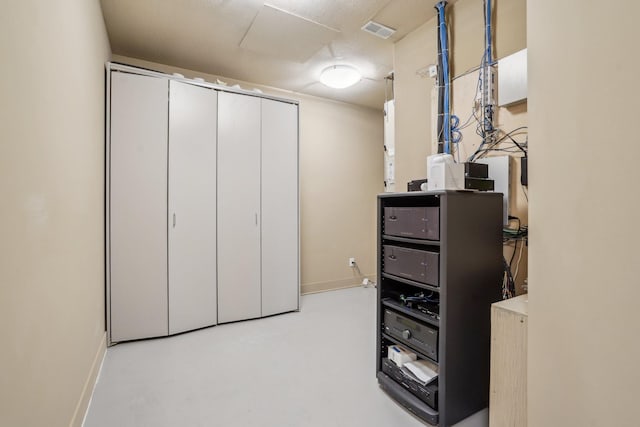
x=442, y=26
x=487, y=35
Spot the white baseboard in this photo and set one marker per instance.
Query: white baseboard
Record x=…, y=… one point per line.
x=332, y=285
x=87, y=391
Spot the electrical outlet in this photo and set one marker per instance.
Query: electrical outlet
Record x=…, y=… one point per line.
x=352, y=262
x=433, y=71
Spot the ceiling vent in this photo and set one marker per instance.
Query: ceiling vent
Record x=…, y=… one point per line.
x=378, y=30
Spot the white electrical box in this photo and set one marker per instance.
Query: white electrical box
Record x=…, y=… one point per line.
x=488, y=86
x=443, y=173
x=499, y=172
x=389, y=147
x=512, y=78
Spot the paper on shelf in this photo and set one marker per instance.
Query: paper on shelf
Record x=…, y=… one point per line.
x=400, y=355
x=423, y=370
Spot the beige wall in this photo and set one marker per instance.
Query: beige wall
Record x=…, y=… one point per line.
x=419, y=49
x=52, y=226
x=584, y=293
x=341, y=172
x=341, y=148
x=412, y=95
x=415, y=93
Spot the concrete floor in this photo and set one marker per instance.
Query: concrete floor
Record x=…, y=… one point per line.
x=311, y=368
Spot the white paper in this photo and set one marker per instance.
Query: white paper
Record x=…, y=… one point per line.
x=422, y=370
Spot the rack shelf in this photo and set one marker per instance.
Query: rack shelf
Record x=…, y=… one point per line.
x=409, y=240
x=411, y=282
x=469, y=250
x=408, y=400
x=399, y=342
x=387, y=302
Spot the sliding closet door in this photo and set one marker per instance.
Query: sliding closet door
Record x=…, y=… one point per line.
x=280, y=277
x=192, y=207
x=238, y=207
x=138, y=206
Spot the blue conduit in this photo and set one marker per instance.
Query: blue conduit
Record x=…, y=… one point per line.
x=487, y=35
x=486, y=63
x=442, y=27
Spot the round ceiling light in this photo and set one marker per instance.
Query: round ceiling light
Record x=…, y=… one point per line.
x=340, y=76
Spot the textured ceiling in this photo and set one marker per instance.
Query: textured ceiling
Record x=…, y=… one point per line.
x=279, y=43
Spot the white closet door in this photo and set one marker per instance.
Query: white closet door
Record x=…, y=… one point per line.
x=280, y=277
x=192, y=207
x=238, y=207
x=138, y=206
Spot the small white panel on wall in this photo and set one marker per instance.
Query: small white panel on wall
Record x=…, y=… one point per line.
x=389, y=146
x=512, y=78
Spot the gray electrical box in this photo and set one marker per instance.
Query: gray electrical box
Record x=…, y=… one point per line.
x=412, y=222
x=413, y=264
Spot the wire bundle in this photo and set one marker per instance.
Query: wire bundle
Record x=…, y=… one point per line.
x=446, y=78
x=431, y=297
x=516, y=235
x=508, y=137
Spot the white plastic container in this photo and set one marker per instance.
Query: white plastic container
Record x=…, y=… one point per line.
x=443, y=173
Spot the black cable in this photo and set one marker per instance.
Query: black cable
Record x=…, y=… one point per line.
x=513, y=255
x=517, y=145
x=511, y=286
x=480, y=148
x=515, y=218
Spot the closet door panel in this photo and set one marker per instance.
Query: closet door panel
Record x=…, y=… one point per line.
x=138, y=206
x=280, y=259
x=238, y=207
x=192, y=207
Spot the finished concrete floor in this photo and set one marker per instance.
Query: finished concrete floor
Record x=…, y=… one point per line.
x=311, y=368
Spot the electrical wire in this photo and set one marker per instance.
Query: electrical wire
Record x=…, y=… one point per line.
x=515, y=275
x=508, y=285
x=517, y=145
x=466, y=73
x=519, y=237
x=491, y=146
x=513, y=254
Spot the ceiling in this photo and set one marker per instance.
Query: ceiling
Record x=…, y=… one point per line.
x=280, y=43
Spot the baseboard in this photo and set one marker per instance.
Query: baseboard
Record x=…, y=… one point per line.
x=332, y=285
x=87, y=390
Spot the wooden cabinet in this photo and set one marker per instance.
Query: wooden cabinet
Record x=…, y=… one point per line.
x=508, y=398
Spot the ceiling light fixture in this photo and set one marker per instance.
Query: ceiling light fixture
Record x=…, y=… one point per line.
x=340, y=76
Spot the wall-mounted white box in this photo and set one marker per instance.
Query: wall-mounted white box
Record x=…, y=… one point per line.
x=512, y=78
